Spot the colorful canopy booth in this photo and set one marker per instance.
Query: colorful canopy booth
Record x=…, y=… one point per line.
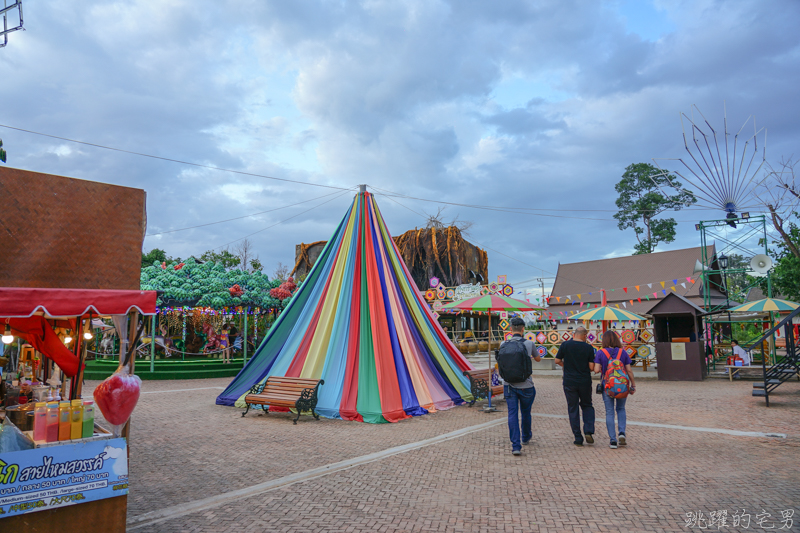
x=359, y=323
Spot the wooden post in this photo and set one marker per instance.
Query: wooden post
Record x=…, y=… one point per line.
x=133, y=319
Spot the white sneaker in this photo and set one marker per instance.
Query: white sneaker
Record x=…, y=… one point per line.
x=622, y=441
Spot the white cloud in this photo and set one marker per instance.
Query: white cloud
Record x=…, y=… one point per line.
x=538, y=105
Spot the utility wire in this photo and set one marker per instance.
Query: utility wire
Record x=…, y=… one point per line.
x=282, y=221
x=177, y=160
x=492, y=249
x=241, y=217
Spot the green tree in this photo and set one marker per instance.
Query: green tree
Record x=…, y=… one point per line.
x=3, y=153
x=786, y=272
x=156, y=255
x=227, y=259
x=642, y=198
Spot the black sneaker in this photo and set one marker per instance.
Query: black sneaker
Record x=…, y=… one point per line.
x=589, y=438
x=613, y=445
x=622, y=441
x=578, y=443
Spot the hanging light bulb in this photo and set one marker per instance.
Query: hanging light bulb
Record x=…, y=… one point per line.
x=8, y=338
x=87, y=333
x=68, y=338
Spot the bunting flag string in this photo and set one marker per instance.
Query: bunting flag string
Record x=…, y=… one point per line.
x=569, y=297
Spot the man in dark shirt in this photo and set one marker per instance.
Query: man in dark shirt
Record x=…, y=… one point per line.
x=577, y=358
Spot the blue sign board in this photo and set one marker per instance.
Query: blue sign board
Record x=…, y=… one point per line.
x=56, y=476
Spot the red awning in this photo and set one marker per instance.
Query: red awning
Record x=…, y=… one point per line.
x=23, y=302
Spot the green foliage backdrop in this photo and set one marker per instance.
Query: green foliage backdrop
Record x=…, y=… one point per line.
x=208, y=285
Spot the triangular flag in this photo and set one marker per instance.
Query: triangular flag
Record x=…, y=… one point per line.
x=649, y=285
x=664, y=291
x=569, y=296
x=674, y=281
x=612, y=290
x=590, y=294
x=683, y=285
x=689, y=280
x=655, y=295
x=581, y=305
x=639, y=299
x=558, y=298
x=625, y=289
x=648, y=298
x=624, y=304
x=631, y=302
x=637, y=288
x=673, y=288
x=617, y=305
x=662, y=284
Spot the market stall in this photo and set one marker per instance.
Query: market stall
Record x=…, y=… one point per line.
x=59, y=469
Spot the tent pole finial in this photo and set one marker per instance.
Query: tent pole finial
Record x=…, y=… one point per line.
x=362, y=188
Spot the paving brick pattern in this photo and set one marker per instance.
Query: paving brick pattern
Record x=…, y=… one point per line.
x=184, y=448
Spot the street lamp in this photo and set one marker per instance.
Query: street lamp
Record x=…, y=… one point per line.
x=722, y=259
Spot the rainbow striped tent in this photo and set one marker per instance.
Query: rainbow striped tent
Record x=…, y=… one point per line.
x=359, y=322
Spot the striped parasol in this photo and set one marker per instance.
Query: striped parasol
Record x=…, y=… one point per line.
x=492, y=302
x=606, y=313
x=767, y=304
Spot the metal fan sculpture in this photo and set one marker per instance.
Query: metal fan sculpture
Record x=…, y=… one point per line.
x=722, y=178
x=5, y=11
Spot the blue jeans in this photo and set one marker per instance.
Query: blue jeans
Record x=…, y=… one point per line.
x=580, y=396
x=519, y=400
x=618, y=405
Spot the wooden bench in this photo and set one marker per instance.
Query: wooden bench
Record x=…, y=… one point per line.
x=734, y=370
x=479, y=384
x=294, y=393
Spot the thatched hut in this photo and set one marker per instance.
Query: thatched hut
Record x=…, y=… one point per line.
x=428, y=252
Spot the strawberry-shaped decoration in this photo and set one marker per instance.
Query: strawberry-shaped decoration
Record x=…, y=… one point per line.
x=284, y=290
x=236, y=290
x=117, y=395
x=180, y=266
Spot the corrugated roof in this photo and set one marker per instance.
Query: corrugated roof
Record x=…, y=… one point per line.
x=645, y=270
x=59, y=232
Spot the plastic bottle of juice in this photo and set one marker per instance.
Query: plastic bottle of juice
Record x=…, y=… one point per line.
x=40, y=422
x=64, y=423
x=88, y=418
x=52, y=422
x=76, y=419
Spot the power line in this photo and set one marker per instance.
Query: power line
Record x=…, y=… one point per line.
x=492, y=249
x=282, y=221
x=177, y=160
x=241, y=217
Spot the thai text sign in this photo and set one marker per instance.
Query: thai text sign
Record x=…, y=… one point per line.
x=44, y=478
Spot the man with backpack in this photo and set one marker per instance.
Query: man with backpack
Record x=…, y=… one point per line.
x=514, y=363
x=576, y=357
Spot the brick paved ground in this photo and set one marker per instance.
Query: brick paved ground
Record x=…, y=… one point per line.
x=184, y=448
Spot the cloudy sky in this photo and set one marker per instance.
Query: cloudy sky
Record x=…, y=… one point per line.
x=534, y=105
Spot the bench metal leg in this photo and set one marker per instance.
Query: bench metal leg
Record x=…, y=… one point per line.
x=297, y=417
x=245, y=411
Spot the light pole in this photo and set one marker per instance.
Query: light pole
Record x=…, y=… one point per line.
x=723, y=264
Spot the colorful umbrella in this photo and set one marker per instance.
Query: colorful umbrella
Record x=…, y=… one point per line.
x=767, y=304
x=492, y=302
x=607, y=313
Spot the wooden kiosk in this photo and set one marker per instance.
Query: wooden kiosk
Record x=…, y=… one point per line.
x=679, y=349
x=71, y=251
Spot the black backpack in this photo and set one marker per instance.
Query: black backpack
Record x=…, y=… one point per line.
x=513, y=361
